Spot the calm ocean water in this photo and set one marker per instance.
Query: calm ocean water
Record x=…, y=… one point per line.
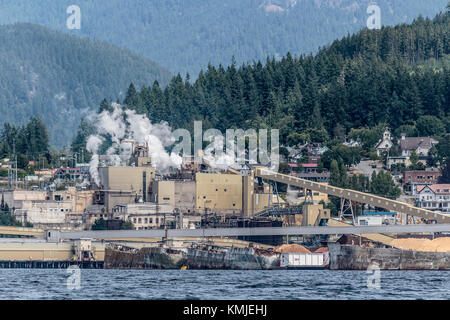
x=198, y=284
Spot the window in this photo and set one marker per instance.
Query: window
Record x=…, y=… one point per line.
x=146, y=220
x=157, y=220
x=166, y=198
x=151, y=220
x=139, y=220
x=225, y=190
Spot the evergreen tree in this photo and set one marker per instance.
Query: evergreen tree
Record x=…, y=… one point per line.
x=445, y=172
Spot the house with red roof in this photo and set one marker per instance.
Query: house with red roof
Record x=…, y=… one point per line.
x=435, y=197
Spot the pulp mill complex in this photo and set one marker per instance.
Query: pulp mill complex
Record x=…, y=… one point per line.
x=231, y=202
x=136, y=192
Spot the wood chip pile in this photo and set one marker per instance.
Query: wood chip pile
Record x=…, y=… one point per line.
x=415, y=244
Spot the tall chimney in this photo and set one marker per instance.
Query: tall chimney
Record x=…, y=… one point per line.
x=144, y=186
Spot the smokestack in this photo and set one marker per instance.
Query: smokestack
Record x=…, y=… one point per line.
x=403, y=136
x=144, y=186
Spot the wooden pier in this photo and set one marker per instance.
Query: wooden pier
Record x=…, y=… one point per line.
x=36, y=264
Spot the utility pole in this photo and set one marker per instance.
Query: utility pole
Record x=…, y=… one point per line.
x=15, y=158
x=9, y=174
x=16, y=171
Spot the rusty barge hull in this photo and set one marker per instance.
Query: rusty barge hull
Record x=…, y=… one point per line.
x=232, y=259
x=352, y=257
x=191, y=258
x=144, y=258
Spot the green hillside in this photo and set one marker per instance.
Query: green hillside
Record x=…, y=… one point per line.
x=398, y=76
x=60, y=77
x=185, y=35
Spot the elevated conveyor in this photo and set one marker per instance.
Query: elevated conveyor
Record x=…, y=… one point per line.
x=353, y=195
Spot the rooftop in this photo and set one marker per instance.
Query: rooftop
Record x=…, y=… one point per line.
x=412, y=143
x=436, y=188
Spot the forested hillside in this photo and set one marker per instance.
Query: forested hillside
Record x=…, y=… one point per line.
x=27, y=142
x=394, y=76
x=185, y=35
x=58, y=76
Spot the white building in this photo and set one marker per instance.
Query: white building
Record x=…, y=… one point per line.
x=45, y=209
x=385, y=144
x=44, y=212
x=145, y=216
x=420, y=145
x=435, y=197
x=377, y=219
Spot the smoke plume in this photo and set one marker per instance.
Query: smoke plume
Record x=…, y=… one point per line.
x=120, y=124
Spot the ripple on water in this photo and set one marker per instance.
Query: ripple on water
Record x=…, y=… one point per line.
x=222, y=284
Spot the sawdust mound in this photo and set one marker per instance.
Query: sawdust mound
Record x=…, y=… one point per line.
x=291, y=248
x=435, y=245
x=409, y=243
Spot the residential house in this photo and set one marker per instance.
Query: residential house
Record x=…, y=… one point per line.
x=352, y=143
x=420, y=145
x=435, y=197
x=72, y=173
x=398, y=160
x=309, y=167
x=412, y=179
x=313, y=149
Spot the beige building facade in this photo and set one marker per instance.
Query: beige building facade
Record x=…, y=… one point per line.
x=218, y=192
x=121, y=185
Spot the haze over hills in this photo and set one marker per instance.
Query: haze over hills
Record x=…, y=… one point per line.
x=185, y=35
x=59, y=77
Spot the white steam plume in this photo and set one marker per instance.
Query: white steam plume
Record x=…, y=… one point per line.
x=126, y=124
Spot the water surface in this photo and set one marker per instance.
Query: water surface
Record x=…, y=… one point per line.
x=221, y=284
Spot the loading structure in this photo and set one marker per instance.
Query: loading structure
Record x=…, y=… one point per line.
x=352, y=195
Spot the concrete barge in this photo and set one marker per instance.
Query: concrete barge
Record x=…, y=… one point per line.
x=354, y=257
x=195, y=257
x=208, y=256
x=232, y=258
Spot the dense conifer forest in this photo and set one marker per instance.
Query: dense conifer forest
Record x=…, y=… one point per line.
x=397, y=77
